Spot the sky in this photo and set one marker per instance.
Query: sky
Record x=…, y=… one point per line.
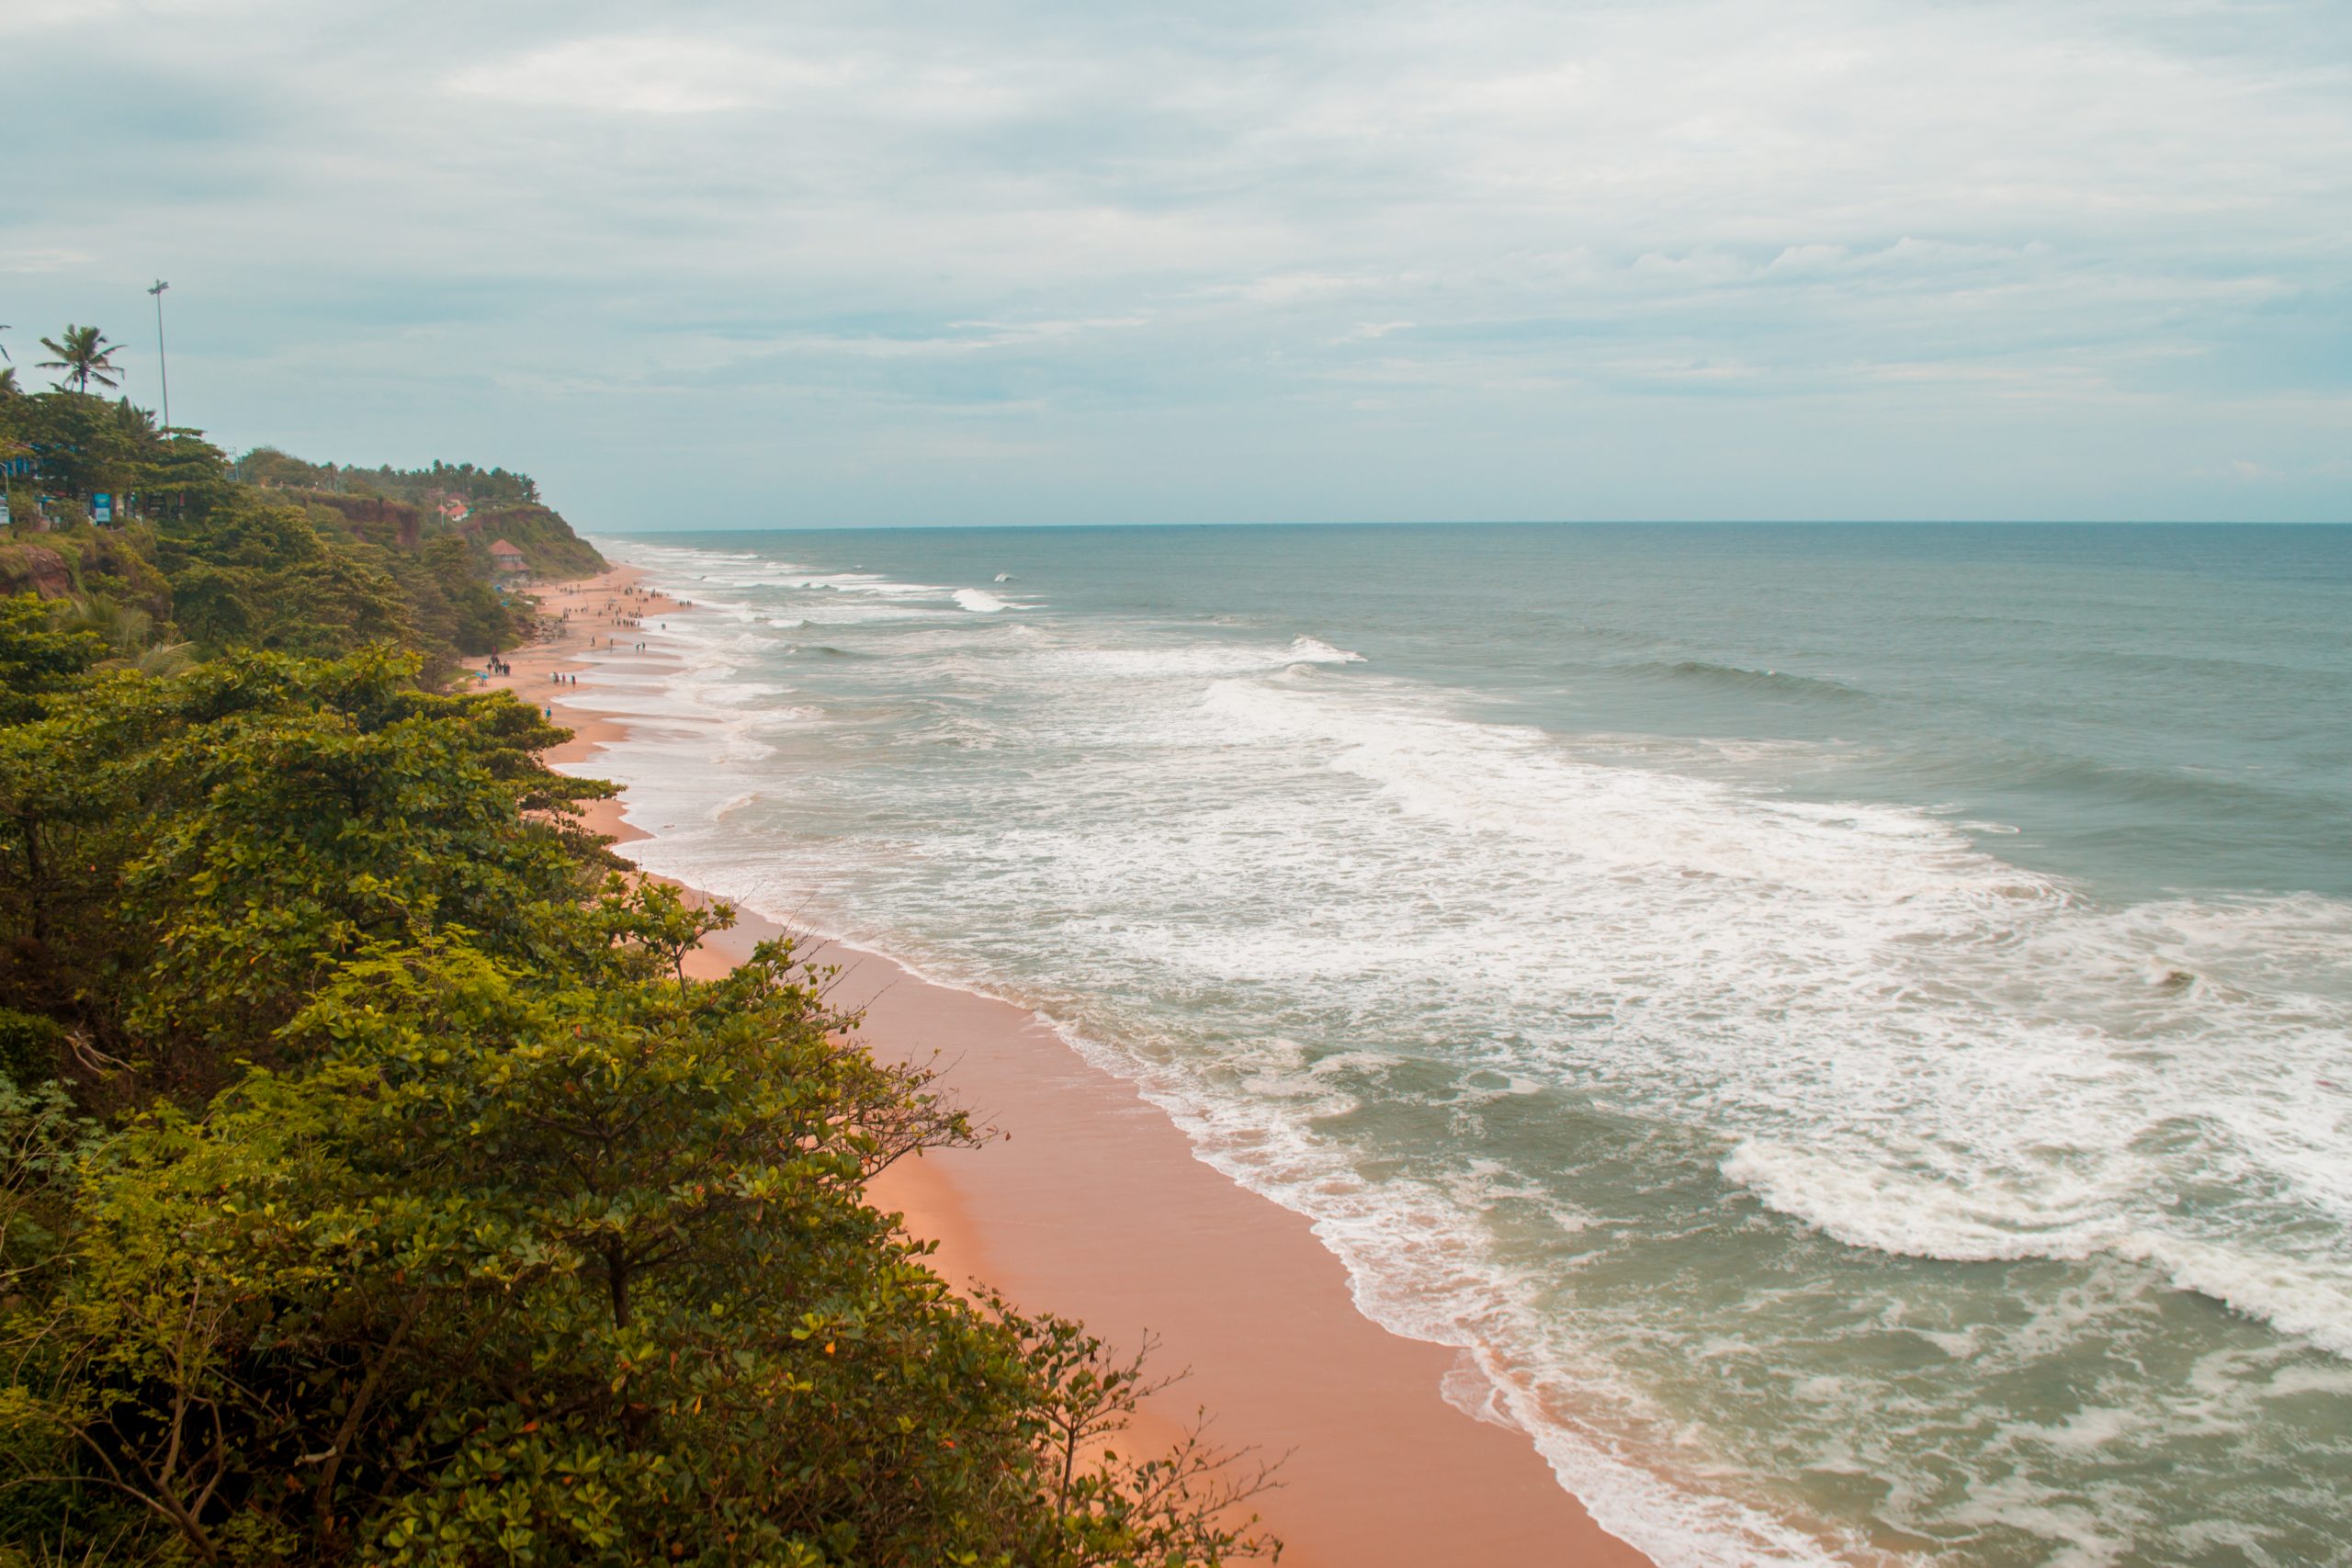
x=776, y=264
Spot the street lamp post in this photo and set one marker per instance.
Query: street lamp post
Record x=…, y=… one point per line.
x=163, y=368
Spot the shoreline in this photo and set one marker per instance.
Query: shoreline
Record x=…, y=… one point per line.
x=1091, y=1203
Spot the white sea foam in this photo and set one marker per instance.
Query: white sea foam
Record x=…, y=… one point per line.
x=1921, y=1048
x=1413, y=1272
x=1304, y=650
x=979, y=600
x=1306, y=898
x=1210, y=659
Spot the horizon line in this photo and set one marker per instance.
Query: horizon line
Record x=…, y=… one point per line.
x=1516, y=523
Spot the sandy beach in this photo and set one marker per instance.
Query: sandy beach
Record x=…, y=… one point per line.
x=1089, y=1202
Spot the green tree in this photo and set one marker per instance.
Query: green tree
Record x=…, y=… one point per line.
x=182, y=860
x=570, y=1272
x=39, y=656
x=84, y=443
x=85, y=356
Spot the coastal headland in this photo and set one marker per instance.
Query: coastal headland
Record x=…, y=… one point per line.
x=1087, y=1200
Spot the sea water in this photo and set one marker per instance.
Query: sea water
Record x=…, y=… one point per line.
x=1848, y=1029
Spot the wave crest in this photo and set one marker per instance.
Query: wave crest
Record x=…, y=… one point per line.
x=1761, y=682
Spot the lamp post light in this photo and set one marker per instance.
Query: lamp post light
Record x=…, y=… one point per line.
x=163, y=368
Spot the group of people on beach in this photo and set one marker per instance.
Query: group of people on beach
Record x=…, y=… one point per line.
x=630, y=617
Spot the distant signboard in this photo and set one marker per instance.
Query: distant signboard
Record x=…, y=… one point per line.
x=102, y=508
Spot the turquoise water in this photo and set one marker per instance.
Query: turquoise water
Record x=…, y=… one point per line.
x=1849, y=1028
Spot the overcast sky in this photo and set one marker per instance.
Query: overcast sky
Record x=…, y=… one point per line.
x=998, y=262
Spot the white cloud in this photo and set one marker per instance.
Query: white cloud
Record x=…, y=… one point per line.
x=1686, y=372
x=1837, y=213
x=2237, y=470
x=1699, y=267
x=1810, y=258
x=30, y=261
x=1297, y=287
x=653, y=74
x=963, y=338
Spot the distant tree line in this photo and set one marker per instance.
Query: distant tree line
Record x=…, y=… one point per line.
x=198, y=557
x=480, y=487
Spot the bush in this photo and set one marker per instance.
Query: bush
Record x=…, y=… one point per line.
x=443, y=1219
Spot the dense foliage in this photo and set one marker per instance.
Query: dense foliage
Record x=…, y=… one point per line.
x=487, y=487
x=496, y=504
x=376, y=1186
x=196, y=557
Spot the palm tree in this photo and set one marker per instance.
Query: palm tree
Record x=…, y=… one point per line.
x=85, y=356
x=8, y=387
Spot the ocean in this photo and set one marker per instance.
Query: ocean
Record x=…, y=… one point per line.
x=1850, y=1027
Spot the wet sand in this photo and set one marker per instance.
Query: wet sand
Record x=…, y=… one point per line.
x=1089, y=1203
